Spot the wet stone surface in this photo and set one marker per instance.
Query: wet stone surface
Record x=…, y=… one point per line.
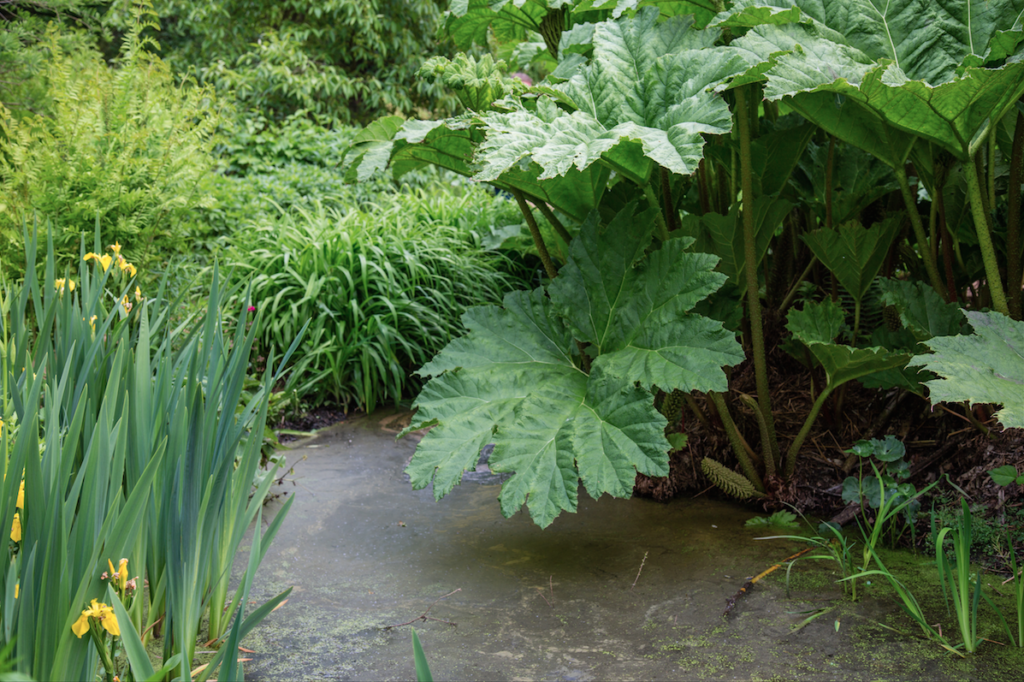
x=364, y=552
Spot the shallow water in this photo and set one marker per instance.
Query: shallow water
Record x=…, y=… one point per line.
x=575, y=601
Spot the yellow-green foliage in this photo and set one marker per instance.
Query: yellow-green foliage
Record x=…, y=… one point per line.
x=127, y=144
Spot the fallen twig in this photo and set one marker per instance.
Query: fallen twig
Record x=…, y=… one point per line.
x=424, y=617
x=644, y=561
x=730, y=603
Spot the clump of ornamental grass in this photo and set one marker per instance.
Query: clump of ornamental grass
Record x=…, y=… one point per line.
x=384, y=286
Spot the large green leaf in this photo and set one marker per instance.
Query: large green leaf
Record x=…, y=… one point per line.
x=845, y=363
x=916, y=65
x=702, y=10
x=551, y=424
x=478, y=83
x=922, y=310
x=451, y=144
x=468, y=21
x=817, y=325
x=852, y=253
x=683, y=353
x=371, y=149
x=986, y=367
x=858, y=180
x=634, y=310
x=516, y=380
x=817, y=322
x=722, y=235
x=644, y=99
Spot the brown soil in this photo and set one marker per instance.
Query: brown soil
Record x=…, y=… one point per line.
x=939, y=441
x=314, y=420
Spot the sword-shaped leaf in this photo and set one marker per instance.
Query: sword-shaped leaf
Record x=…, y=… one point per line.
x=985, y=367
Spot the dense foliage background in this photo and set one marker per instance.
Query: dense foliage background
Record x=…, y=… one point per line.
x=630, y=245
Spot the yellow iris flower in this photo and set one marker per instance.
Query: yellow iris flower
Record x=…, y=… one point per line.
x=60, y=284
x=16, y=528
x=116, y=248
x=138, y=295
x=104, y=260
x=126, y=266
x=121, y=574
x=101, y=612
x=21, y=496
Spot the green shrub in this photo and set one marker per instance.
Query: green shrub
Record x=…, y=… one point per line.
x=383, y=284
x=347, y=61
x=24, y=52
x=123, y=146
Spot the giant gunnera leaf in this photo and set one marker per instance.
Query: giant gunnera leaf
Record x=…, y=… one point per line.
x=645, y=99
x=985, y=367
x=944, y=70
x=516, y=379
x=817, y=325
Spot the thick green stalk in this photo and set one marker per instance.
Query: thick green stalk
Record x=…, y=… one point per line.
x=933, y=229
x=791, y=296
x=702, y=188
x=988, y=251
x=769, y=461
x=652, y=201
x=666, y=199
x=545, y=257
x=750, y=270
x=549, y=215
x=538, y=241
x=101, y=649
x=828, y=181
x=939, y=207
x=1013, y=261
x=992, y=170
x=794, y=449
x=930, y=265
x=856, y=322
x=736, y=441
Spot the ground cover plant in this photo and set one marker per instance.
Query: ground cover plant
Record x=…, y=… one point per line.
x=820, y=153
